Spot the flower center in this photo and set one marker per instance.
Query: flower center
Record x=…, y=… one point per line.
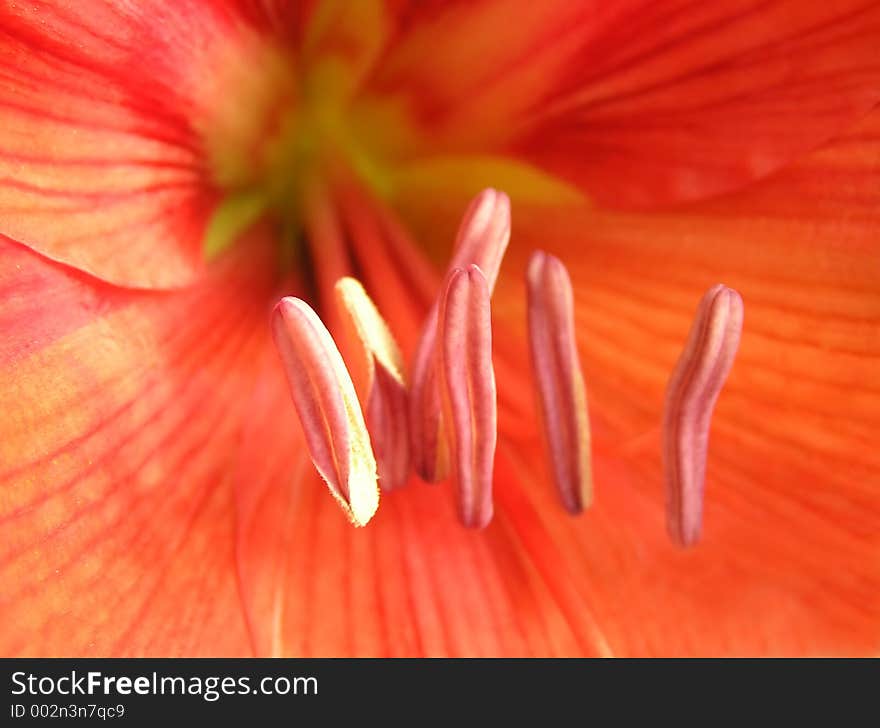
x=281, y=133
x=300, y=150
x=443, y=421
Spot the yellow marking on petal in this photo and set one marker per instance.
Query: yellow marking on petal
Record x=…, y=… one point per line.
x=343, y=39
x=448, y=175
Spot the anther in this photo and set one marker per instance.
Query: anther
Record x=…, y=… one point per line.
x=691, y=394
x=377, y=369
x=328, y=409
x=468, y=384
x=481, y=240
x=559, y=380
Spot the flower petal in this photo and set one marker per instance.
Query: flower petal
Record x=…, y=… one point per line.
x=788, y=562
x=637, y=102
x=122, y=410
x=269, y=486
x=106, y=162
x=413, y=582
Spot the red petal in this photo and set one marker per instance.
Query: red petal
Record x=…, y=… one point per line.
x=121, y=412
x=103, y=163
x=638, y=102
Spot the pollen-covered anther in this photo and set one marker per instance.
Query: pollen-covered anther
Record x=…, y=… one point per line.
x=376, y=365
x=328, y=408
x=481, y=240
x=559, y=382
x=467, y=380
x=691, y=394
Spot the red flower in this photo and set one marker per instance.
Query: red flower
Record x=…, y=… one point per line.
x=168, y=171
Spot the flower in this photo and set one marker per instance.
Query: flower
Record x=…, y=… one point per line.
x=169, y=171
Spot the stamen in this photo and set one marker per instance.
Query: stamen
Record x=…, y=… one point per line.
x=379, y=382
x=483, y=235
x=559, y=380
x=468, y=382
x=328, y=408
x=691, y=394
x=482, y=240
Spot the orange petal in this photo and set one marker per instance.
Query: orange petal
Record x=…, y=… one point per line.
x=414, y=582
x=121, y=412
x=271, y=472
x=117, y=521
x=639, y=102
x=787, y=562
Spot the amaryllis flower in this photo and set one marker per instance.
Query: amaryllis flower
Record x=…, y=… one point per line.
x=170, y=171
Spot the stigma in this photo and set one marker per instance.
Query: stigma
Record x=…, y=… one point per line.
x=370, y=422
